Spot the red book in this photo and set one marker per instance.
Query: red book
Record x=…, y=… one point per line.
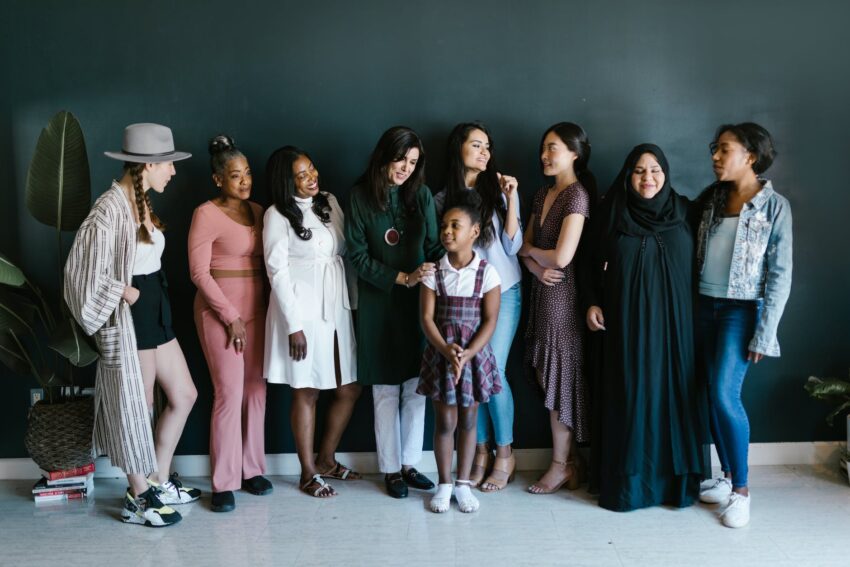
x=79, y=471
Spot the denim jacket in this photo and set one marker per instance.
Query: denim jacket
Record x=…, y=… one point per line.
x=761, y=260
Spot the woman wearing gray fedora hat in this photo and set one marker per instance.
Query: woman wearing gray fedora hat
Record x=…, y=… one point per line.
x=115, y=288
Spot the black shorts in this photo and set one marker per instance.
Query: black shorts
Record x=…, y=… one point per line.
x=152, y=311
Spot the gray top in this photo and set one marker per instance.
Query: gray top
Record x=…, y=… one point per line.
x=714, y=279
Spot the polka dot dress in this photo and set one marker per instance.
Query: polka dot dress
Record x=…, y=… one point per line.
x=555, y=335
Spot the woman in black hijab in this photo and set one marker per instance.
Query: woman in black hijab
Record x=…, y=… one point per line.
x=651, y=411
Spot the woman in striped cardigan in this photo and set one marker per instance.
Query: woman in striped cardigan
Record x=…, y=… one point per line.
x=100, y=289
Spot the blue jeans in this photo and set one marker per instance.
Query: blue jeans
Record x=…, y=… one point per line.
x=500, y=408
x=724, y=330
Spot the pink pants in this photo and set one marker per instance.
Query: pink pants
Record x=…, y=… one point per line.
x=237, y=428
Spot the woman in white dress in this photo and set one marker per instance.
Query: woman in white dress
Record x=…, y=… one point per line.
x=309, y=331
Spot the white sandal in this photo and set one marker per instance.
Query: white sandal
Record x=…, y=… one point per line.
x=466, y=501
x=442, y=499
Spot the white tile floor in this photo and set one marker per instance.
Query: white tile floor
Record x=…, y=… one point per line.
x=801, y=517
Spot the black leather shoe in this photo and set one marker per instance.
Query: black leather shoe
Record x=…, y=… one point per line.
x=416, y=479
x=395, y=485
x=223, y=501
x=258, y=485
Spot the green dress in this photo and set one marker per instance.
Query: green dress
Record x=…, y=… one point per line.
x=389, y=338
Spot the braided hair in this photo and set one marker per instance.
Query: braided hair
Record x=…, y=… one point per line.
x=143, y=202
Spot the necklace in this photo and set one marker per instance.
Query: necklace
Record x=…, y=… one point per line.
x=393, y=235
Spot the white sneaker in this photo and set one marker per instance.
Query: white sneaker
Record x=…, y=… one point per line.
x=717, y=493
x=148, y=510
x=737, y=513
x=173, y=492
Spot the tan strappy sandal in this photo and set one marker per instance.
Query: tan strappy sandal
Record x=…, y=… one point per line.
x=571, y=479
x=481, y=465
x=504, y=470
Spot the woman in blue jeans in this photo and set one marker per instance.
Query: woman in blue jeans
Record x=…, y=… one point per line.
x=744, y=262
x=470, y=167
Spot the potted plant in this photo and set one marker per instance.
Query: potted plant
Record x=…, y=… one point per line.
x=39, y=339
x=836, y=391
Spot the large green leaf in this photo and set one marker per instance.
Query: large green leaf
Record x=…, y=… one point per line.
x=10, y=274
x=11, y=355
x=58, y=183
x=17, y=313
x=70, y=341
x=825, y=388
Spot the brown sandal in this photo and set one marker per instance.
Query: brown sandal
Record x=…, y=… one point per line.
x=481, y=465
x=570, y=480
x=506, y=468
x=341, y=472
x=318, y=488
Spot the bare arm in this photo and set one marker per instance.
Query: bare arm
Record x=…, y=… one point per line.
x=564, y=251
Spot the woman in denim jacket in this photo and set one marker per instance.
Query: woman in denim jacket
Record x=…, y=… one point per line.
x=744, y=263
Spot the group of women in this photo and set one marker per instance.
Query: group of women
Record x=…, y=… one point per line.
x=660, y=282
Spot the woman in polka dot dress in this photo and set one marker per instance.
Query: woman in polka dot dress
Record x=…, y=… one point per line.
x=554, y=337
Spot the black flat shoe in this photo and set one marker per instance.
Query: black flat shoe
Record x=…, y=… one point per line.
x=258, y=485
x=416, y=479
x=395, y=485
x=223, y=501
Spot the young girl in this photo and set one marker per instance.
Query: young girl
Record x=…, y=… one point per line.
x=459, y=307
x=554, y=337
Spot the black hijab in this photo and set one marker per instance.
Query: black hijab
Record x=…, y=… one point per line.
x=637, y=216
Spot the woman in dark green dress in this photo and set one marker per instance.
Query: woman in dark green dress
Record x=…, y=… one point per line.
x=652, y=412
x=392, y=238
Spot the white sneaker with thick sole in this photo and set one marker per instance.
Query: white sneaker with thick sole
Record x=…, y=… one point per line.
x=148, y=510
x=737, y=512
x=717, y=493
x=172, y=491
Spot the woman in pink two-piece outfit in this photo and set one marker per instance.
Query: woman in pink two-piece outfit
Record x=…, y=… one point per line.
x=226, y=265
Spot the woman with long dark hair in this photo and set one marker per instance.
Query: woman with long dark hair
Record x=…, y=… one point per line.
x=393, y=241
x=470, y=167
x=652, y=412
x=309, y=331
x=226, y=265
x=744, y=260
x=555, y=336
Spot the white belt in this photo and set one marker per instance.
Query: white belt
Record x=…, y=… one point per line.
x=333, y=270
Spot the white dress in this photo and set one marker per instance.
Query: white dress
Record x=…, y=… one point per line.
x=308, y=293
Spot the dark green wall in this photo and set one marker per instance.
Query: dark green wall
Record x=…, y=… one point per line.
x=331, y=76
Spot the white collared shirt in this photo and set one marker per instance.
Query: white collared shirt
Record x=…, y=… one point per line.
x=461, y=283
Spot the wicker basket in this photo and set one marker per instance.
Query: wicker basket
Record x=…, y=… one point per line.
x=59, y=435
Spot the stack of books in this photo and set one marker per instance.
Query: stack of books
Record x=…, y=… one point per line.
x=61, y=486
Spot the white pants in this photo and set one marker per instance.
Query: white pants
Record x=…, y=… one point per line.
x=399, y=425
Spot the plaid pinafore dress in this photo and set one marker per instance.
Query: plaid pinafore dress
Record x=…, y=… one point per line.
x=458, y=319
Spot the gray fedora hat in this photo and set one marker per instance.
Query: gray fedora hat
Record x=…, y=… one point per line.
x=148, y=143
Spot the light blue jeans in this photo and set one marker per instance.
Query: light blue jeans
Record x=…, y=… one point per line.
x=500, y=408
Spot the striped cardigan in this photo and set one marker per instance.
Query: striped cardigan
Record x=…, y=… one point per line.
x=99, y=267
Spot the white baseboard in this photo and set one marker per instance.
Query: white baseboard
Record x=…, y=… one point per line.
x=806, y=453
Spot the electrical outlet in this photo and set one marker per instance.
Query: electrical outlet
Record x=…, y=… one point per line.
x=36, y=395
